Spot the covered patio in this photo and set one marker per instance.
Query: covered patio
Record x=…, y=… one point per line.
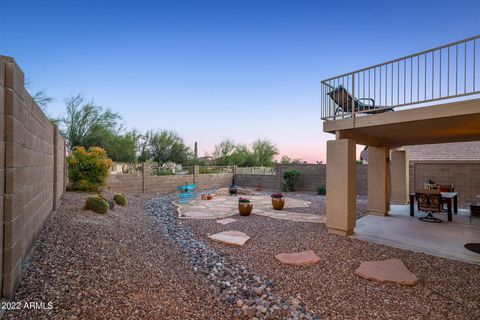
x=427, y=110
x=399, y=230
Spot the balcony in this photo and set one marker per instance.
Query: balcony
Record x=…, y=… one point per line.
x=440, y=75
x=428, y=97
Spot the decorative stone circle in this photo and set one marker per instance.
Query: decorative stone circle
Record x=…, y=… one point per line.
x=197, y=215
x=304, y=258
x=235, y=238
x=226, y=221
x=390, y=271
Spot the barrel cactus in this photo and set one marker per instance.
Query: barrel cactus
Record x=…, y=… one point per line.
x=111, y=203
x=96, y=204
x=120, y=199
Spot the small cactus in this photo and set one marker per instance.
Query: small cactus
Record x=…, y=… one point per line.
x=120, y=199
x=96, y=204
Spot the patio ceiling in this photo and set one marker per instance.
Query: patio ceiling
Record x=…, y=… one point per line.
x=451, y=122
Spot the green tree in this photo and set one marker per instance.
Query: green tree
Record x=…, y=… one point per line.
x=243, y=156
x=223, y=152
x=143, y=150
x=42, y=100
x=120, y=147
x=165, y=146
x=263, y=152
x=288, y=160
x=84, y=122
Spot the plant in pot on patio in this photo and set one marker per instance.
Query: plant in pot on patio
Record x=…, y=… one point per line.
x=278, y=201
x=245, y=206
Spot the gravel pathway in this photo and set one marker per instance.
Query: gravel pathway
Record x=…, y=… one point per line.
x=112, y=266
x=447, y=289
x=139, y=262
x=253, y=295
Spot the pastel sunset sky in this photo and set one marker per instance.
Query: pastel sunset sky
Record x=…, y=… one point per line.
x=211, y=70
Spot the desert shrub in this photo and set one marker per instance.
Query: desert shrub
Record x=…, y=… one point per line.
x=88, y=170
x=162, y=172
x=96, y=204
x=120, y=199
x=322, y=190
x=290, y=178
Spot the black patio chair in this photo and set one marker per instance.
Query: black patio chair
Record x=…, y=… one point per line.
x=430, y=201
x=344, y=100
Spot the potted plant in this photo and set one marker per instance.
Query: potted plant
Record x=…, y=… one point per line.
x=245, y=206
x=278, y=201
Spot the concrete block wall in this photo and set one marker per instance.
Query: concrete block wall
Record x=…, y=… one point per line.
x=33, y=161
x=146, y=183
x=312, y=176
x=465, y=176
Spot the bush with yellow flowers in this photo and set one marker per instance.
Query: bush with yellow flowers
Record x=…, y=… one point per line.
x=88, y=170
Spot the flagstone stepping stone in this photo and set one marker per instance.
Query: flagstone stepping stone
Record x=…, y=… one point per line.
x=390, y=270
x=197, y=214
x=226, y=221
x=235, y=238
x=304, y=258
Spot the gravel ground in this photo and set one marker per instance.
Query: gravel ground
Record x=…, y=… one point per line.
x=112, y=266
x=447, y=289
x=136, y=264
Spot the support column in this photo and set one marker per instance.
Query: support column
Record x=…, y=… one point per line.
x=341, y=191
x=378, y=181
x=400, y=179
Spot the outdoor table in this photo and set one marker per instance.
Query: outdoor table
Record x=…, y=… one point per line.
x=450, y=197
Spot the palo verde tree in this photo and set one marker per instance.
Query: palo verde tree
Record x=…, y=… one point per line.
x=167, y=146
x=84, y=122
x=263, y=152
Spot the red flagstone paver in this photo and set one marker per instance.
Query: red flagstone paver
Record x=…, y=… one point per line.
x=304, y=258
x=197, y=214
x=390, y=270
x=226, y=221
x=235, y=238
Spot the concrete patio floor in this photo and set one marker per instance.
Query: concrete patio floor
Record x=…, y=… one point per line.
x=444, y=239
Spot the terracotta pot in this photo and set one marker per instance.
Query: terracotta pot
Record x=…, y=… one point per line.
x=245, y=208
x=278, y=203
x=209, y=197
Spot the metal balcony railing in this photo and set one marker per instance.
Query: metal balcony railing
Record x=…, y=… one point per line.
x=446, y=72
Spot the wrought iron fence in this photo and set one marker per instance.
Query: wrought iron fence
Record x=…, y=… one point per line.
x=215, y=169
x=256, y=170
x=446, y=72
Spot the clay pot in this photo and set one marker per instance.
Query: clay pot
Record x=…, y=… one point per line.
x=209, y=197
x=245, y=208
x=278, y=203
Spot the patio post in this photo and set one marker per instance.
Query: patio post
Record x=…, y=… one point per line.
x=341, y=186
x=378, y=180
x=400, y=179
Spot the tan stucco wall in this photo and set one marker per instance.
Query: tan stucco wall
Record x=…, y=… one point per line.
x=378, y=180
x=29, y=172
x=400, y=178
